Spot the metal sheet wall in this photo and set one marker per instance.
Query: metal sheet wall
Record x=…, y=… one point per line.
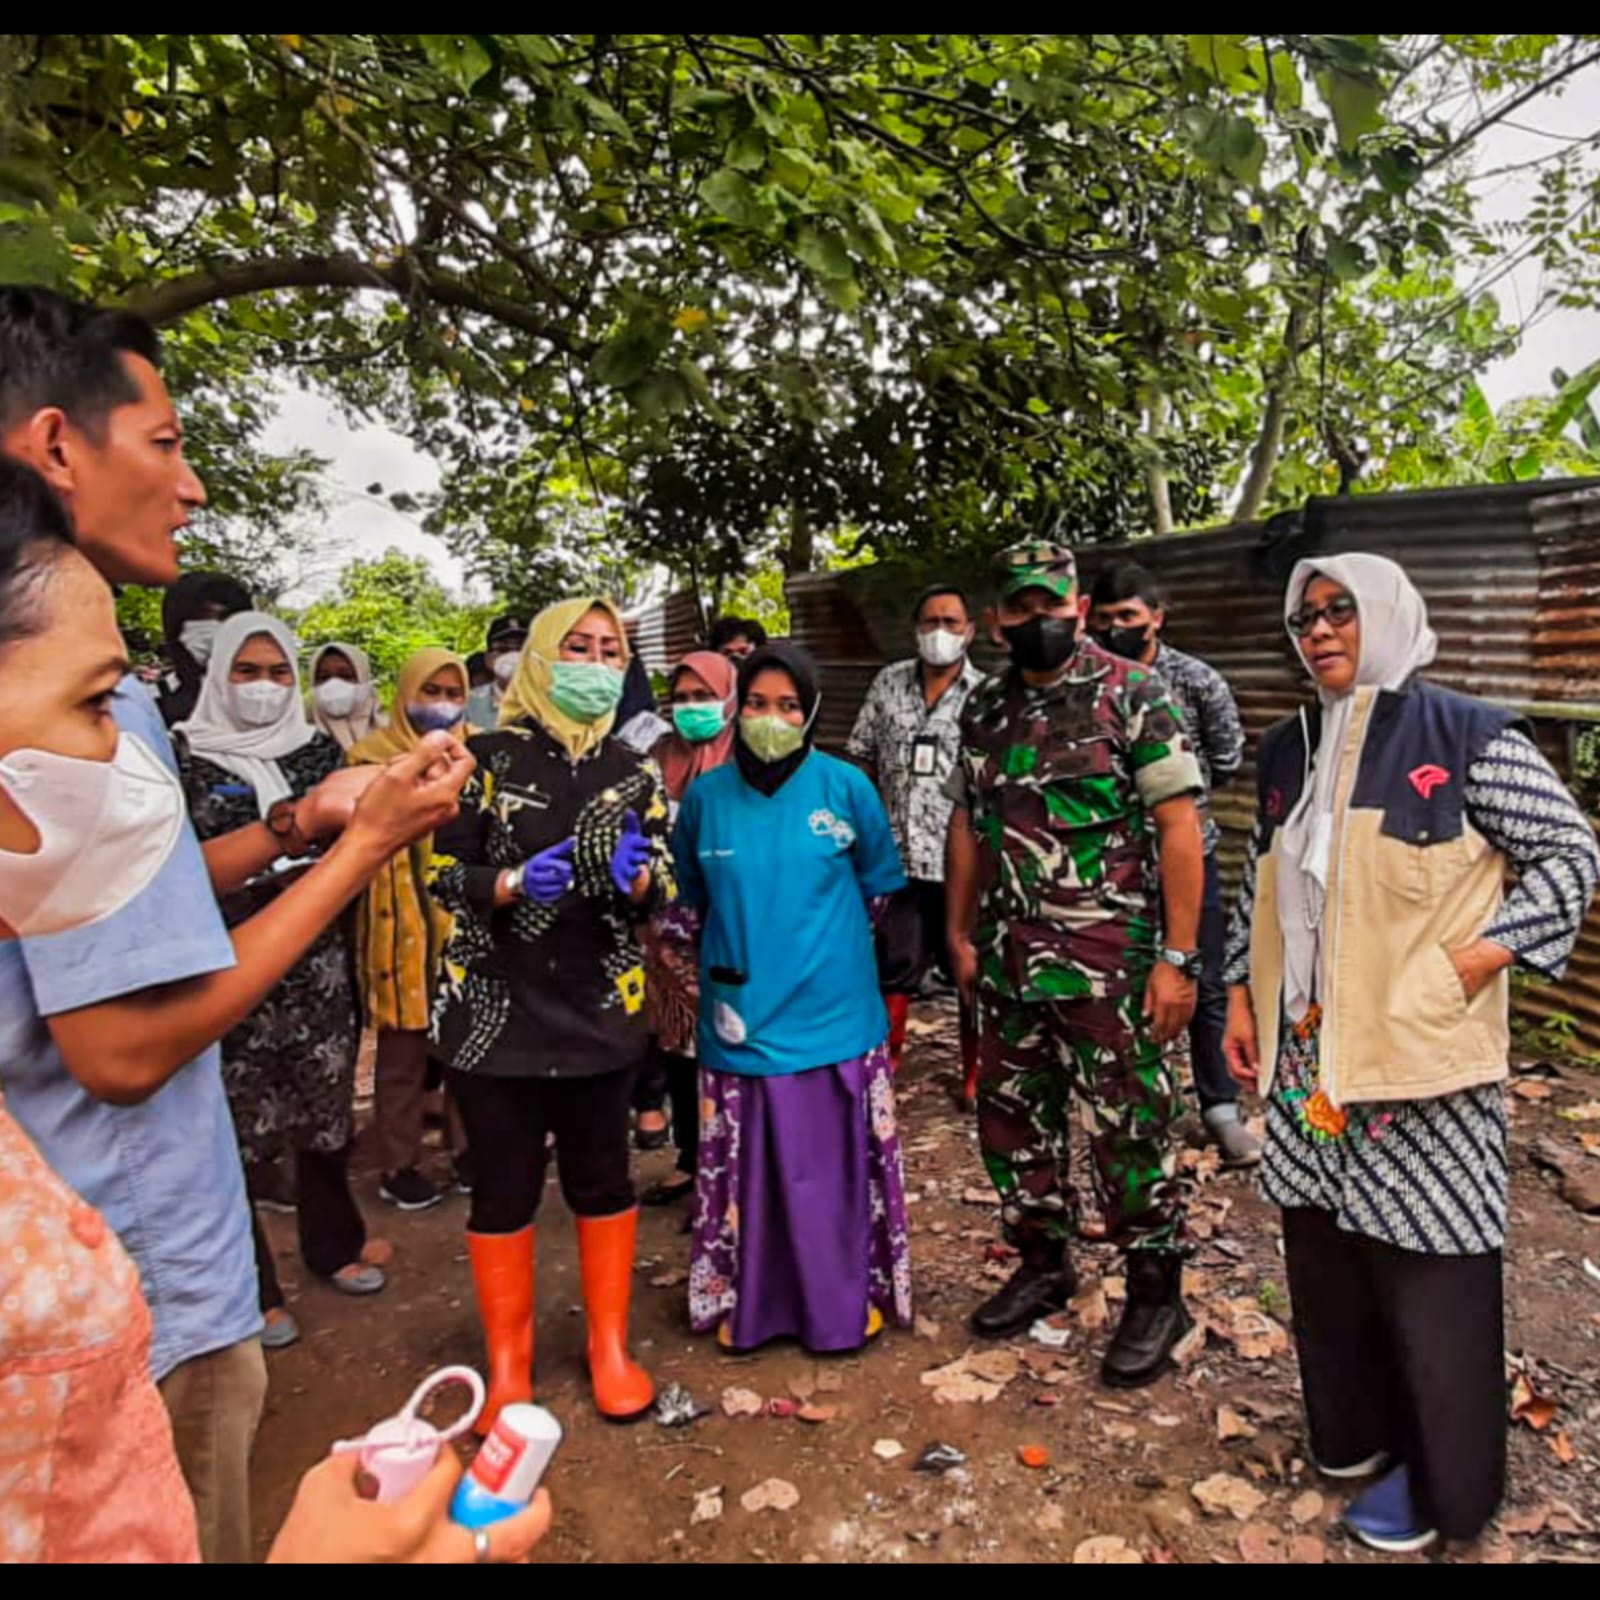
x=1511, y=576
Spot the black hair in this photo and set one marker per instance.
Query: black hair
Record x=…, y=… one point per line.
x=940, y=591
x=1127, y=580
x=68, y=353
x=477, y=662
x=726, y=629
x=34, y=532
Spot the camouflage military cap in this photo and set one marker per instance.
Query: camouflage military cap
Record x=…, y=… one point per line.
x=1037, y=564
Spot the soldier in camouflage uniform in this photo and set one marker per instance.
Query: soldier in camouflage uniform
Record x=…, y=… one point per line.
x=1074, y=766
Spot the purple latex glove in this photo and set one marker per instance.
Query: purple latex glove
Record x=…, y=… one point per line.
x=631, y=856
x=549, y=875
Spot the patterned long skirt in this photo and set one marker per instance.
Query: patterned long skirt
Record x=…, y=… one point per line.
x=800, y=1226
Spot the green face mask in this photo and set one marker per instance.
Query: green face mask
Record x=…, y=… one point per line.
x=700, y=724
x=771, y=739
x=586, y=691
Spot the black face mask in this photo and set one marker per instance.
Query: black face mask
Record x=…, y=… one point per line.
x=1130, y=643
x=1042, y=644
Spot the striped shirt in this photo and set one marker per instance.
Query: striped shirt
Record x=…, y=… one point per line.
x=1430, y=1176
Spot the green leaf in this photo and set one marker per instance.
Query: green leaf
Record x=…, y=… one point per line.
x=623, y=361
x=824, y=252
x=460, y=57
x=1348, y=260
x=1356, y=103
x=1244, y=151
x=748, y=152
x=1398, y=169
x=733, y=196
x=1221, y=56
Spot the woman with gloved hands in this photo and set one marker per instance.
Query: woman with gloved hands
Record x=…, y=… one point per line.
x=559, y=854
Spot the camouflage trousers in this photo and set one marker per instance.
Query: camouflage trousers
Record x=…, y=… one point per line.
x=1033, y=1058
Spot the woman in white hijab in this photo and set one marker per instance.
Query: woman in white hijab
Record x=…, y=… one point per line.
x=290, y=1068
x=1369, y=960
x=344, y=701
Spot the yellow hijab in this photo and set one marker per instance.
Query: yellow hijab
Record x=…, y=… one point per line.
x=529, y=694
x=384, y=744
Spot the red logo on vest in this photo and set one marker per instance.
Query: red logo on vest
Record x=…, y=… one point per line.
x=1426, y=779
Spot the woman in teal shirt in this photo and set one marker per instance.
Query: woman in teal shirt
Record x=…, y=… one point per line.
x=800, y=1216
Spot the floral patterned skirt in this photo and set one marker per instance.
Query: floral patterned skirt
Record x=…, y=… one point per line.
x=1425, y=1176
x=800, y=1225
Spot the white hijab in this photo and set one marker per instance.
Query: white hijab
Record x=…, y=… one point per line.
x=217, y=735
x=347, y=732
x=1396, y=644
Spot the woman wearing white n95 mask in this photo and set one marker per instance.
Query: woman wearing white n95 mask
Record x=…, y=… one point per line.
x=343, y=702
x=290, y=1067
x=88, y=817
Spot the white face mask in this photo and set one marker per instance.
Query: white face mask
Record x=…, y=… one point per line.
x=505, y=668
x=259, y=705
x=338, y=697
x=199, y=639
x=942, y=649
x=106, y=828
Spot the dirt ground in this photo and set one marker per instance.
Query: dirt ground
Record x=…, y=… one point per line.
x=1120, y=1470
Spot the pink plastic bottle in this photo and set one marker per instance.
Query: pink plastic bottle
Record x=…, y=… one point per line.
x=399, y=1453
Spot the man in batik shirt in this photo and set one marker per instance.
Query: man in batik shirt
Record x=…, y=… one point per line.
x=1075, y=773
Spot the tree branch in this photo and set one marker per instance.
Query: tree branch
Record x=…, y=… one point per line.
x=1269, y=444
x=166, y=302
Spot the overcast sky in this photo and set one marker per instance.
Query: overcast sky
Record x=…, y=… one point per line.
x=1568, y=339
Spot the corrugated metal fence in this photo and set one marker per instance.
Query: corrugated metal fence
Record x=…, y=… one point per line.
x=1512, y=579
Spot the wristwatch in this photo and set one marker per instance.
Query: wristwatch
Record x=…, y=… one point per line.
x=1189, y=962
x=283, y=824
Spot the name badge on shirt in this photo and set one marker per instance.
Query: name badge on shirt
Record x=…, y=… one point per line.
x=925, y=756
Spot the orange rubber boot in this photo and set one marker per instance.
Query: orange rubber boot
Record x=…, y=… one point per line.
x=899, y=1015
x=622, y=1391
x=502, y=1274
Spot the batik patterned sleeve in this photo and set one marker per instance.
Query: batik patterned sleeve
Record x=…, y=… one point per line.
x=1236, y=961
x=863, y=743
x=1221, y=733
x=1162, y=758
x=1518, y=802
x=656, y=818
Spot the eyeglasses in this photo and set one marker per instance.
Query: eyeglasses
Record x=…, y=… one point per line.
x=1338, y=613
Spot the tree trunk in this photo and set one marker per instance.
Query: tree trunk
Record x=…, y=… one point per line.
x=802, y=540
x=1269, y=446
x=1159, y=479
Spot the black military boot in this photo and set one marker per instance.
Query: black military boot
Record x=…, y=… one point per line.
x=1043, y=1284
x=1154, y=1321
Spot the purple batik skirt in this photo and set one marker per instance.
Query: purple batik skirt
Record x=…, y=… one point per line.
x=800, y=1222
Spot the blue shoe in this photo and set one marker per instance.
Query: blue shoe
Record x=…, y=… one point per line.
x=1385, y=1519
x=280, y=1332
x=1370, y=1468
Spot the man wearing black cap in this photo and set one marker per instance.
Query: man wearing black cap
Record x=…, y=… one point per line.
x=1074, y=767
x=502, y=652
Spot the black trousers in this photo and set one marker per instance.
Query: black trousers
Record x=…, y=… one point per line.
x=332, y=1233
x=1213, y=1083
x=651, y=1090
x=683, y=1089
x=911, y=938
x=508, y=1122
x=1406, y=1354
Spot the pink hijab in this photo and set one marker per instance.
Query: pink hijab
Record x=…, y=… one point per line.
x=682, y=762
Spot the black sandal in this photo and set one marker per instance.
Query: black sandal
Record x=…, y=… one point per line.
x=667, y=1193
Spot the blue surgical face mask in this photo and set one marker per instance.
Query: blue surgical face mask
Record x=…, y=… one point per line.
x=586, y=691
x=438, y=716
